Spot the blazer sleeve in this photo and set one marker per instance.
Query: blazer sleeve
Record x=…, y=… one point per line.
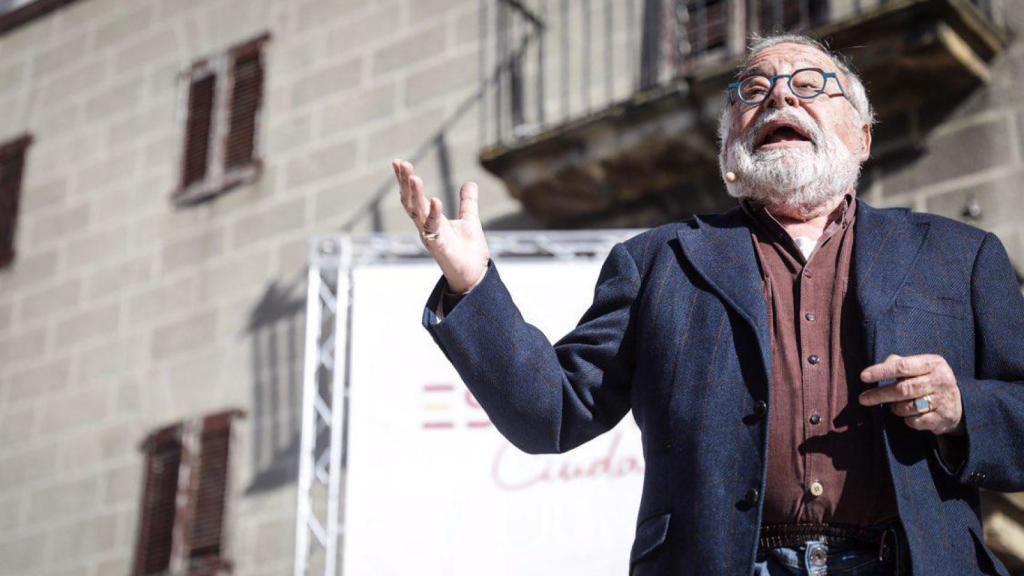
x=993, y=400
x=544, y=398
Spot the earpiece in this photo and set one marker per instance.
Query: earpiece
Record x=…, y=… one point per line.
x=730, y=177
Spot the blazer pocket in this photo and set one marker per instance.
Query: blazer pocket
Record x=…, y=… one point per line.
x=942, y=305
x=650, y=535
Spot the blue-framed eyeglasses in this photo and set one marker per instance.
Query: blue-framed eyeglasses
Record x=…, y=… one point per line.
x=806, y=83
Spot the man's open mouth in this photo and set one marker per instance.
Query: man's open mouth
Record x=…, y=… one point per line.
x=782, y=132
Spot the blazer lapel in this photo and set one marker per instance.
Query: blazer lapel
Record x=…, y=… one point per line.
x=722, y=253
x=886, y=244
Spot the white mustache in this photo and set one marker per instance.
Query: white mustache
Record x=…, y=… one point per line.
x=795, y=178
x=801, y=119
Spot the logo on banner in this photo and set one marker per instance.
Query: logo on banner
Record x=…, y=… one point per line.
x=447, y=406
x=512, y=470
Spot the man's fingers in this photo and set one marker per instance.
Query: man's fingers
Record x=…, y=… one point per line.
x=469, y=201
x=433, y=221
x=418, y=200
x=407, y=171
x=397, y=169
x=926, y=421
x=402, y=182
x=403, y=185
x=906, y=389
x=905, y=408
x=899, y=367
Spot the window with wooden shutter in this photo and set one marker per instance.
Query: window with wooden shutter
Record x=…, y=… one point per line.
x=210, y=484
x=12, y=167
x=197, y=135
x=221, y=136
x=155, y=542
x=184, y=500
x=246, y=94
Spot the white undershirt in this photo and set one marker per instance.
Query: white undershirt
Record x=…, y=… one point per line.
x=806, y=245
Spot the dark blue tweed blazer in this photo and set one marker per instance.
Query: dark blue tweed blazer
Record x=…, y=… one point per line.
x=678, y=333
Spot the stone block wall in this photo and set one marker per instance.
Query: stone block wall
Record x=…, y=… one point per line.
x=123, y=313
x=969, y=150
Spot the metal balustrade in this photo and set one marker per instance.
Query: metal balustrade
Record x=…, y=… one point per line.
x=558, y=61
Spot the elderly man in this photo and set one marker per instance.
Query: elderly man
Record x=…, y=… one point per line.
x=821, y=386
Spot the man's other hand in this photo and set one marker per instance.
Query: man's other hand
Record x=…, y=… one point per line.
x=458, y=246
x=919, y=376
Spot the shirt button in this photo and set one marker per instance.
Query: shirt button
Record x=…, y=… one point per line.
x=752, y=495
x=813, y=359
x=810, y=316
x=815, y=419
x=817, y=489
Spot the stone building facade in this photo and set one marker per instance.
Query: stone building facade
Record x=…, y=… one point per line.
x=124, y=311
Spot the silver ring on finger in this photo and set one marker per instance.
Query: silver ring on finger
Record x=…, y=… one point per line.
x=430, y=235
x=923, y=405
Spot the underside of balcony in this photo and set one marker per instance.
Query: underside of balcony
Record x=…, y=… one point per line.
x=652, y=157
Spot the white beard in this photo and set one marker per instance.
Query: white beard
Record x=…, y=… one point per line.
x=802, y=180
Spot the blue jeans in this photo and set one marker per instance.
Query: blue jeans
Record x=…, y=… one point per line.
x=817, y=559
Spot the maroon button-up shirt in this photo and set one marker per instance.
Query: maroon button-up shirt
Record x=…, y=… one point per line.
x=826, y=460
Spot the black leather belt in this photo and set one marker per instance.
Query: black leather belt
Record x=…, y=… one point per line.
x=882, y=537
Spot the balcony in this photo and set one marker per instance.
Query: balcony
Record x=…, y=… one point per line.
x=603, y=113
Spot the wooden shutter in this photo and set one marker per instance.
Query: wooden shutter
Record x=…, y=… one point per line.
x=246, y=97
x=12, y=163
x=181, y=527
x=198, y=129
x=208, y=493
x=155, y=543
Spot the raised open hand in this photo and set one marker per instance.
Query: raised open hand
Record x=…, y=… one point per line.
x=458, y=246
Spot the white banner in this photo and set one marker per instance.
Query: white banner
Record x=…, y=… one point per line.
x=432, y=488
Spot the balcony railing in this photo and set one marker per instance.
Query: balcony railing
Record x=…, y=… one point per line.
x=559, y=61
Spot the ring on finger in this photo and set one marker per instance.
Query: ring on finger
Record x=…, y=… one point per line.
x=923, y=405
x=430, y=235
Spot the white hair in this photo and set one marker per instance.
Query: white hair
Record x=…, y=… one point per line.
x=855, y=91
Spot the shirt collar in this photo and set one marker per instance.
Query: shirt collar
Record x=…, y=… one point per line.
x=843, y=214
x=840, y=219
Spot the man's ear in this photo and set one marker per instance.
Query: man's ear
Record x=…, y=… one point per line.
x=865, y=142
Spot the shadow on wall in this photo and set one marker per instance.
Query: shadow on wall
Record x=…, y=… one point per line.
x=276, y=329
x=277, y=323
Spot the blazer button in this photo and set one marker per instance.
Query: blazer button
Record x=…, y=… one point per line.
x=752, y=496
x=760, y=408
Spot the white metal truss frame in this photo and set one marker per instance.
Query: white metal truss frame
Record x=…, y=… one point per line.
x=326, y=361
